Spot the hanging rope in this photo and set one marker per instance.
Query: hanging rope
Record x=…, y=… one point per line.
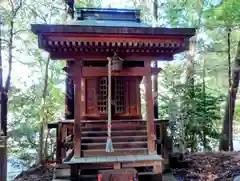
x=109, y=145
x=114, y=64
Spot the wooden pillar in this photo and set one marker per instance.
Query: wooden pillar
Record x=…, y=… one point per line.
x=150, y=115
x=78, y=108
x=64, y=135
x=155, y=87
x=69, y=114
x=155, y=83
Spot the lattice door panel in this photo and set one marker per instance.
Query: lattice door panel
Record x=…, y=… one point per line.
x=119, y=95
x=102, y=99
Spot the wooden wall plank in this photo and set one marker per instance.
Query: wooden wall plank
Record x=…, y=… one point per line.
x=91, y=97
x=133, y=97
x=138, y=95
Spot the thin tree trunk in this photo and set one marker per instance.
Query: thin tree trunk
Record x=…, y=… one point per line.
x=230, y=138
x=42, y=116
x=3, y=154
x=46, y=145
x=204, y=140
x=226, y=139
x=40, y=151
x=5, y=90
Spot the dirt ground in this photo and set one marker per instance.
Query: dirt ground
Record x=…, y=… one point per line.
x=41, y=173
x=218, y=166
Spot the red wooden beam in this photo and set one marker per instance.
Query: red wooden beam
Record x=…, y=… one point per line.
x=102, y=71
x=114, y=38
x=98, y=56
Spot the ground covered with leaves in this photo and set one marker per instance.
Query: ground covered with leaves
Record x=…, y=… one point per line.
x=41, y=173
x=218, y=166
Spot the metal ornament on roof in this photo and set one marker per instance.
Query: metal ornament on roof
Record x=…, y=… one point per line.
x=116, y=63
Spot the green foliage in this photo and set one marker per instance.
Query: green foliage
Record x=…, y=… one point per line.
x=200, y=114
x=24, y=107
x=26, y=94
x=226, y=14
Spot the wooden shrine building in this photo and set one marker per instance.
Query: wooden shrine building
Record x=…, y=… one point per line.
x=109, y=53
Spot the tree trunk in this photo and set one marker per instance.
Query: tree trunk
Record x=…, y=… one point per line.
x=42, y=116
x=40, y=151
x=4, y=91
x=226, y=139
x=46, y=145
x=4, y=100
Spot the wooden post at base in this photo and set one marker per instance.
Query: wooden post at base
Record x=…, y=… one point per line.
x=59, y=144
x=150, y=115
x=157, y=168
x=116, y=165
x=74, y=172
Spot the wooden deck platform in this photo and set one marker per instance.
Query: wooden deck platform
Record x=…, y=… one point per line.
x=114, y=159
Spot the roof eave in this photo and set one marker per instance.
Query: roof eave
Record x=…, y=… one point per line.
x=48, y=28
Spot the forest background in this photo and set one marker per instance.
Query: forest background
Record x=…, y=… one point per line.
x=195, y=93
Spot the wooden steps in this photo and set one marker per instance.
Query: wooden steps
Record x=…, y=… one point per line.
x=114, y=133
x=114, y=139
x=128, y=137
x=116, y=145
x=102, y=152
x=102, y=127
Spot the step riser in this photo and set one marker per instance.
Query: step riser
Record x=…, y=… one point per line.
x=130, y=133
x=103, y=140
x=116, y=146
x=115, y=125
x=137, y=127
x=115, y=153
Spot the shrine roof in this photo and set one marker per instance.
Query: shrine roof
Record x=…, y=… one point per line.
x=111, y=21
x=108, y=23
x=95, y=33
